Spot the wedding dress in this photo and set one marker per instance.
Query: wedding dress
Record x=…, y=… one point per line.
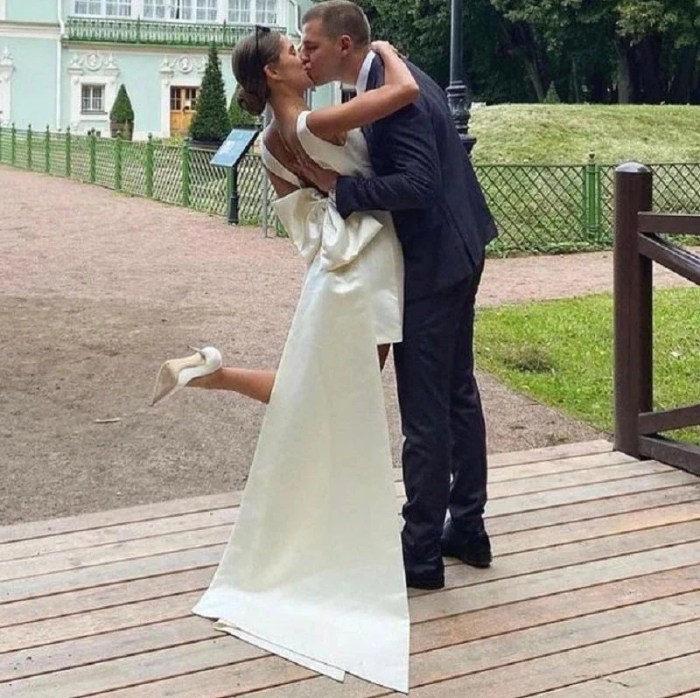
x=313, y=571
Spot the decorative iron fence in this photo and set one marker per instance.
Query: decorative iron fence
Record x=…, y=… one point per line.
x=539, y=208
x=180, y=175
x=140, y=31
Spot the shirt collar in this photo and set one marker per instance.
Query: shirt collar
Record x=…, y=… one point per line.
x=361, y=85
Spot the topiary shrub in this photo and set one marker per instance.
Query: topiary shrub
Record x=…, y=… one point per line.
x=211, y=123
x=121, y=116
x=239, y=117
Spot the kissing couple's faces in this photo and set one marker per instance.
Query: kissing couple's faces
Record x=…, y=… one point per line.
x=322, y=56
x=289, y=67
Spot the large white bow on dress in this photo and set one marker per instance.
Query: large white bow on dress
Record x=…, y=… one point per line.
x=313, y=223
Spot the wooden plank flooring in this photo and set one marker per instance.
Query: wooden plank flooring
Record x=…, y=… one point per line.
x=594, y=591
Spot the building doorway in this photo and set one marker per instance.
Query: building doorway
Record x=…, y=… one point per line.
x=183, y=105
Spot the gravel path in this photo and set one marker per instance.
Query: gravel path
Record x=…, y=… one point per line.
x=98, y=288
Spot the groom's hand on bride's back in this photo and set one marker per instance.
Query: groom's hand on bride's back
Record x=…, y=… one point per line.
x=324, y=180
x=308, y=170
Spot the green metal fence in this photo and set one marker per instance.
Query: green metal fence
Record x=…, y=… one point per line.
x=180, y=175
x=539, y=208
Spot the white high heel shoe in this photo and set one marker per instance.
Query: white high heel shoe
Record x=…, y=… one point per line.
x=177, y=373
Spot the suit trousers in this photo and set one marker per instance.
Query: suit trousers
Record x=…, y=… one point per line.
x=444, y=452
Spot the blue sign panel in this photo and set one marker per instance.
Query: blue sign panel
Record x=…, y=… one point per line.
x=234, y=147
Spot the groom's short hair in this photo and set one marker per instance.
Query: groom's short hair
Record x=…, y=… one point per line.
x=340, y=17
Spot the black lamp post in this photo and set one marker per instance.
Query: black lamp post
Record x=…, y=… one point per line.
x=457, y=93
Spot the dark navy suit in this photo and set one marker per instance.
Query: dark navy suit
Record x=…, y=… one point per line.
x=422, y=175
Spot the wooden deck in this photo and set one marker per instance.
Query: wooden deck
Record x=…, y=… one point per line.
x=594, y=591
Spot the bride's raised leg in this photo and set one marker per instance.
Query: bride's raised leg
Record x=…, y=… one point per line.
x=204, y=369
x=251, y=383
x=255, y=384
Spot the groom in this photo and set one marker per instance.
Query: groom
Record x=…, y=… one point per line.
x=424, y=178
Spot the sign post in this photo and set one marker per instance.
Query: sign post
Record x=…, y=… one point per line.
x=231, y=152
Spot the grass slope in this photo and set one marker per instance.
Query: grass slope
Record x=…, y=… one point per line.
x=565, y=133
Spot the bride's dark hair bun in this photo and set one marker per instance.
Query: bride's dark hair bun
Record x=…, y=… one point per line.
x=248, y=60
x=252, y=102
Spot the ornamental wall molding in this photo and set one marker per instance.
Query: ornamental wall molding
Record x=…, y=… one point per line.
x=181, y=66
x=7, y=65
x=91, y=68
x=94, y=62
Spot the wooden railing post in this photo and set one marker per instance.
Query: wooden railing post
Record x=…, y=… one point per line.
x=633, y=307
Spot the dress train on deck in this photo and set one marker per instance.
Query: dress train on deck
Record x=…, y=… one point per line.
x=313, y=570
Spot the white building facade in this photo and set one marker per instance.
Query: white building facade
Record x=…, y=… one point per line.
x=63, y=61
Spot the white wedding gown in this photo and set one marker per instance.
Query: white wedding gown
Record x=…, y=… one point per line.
x=313, y=570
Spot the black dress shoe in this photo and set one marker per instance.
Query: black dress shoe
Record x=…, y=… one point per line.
x=471, y=547
x=425, y=580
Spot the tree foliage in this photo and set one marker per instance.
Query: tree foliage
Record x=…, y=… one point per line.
x=211, y=122
x=122, y=112
x=643, y=51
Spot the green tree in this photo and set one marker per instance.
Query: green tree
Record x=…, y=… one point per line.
x=592, y=50
x=211, y=122
x=421, y=30
x=659, y=46
x=122, y=114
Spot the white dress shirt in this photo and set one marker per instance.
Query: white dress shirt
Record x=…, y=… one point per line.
x=361, y=85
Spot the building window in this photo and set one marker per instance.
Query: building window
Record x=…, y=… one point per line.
x=118, y=8
x=88, y=7
x=239, y=11
x=183, y=98
x=252, y=12
x=266, y=12
x=154, y=9
x=92, y=99
x=110, y=8
x=169, y=9
x=206, y=10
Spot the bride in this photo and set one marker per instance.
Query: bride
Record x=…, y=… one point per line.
x=313, y=570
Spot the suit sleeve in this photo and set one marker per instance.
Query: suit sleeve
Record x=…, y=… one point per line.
x=408, y=137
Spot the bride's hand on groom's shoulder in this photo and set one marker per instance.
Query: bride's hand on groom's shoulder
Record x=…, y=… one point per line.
x=385, y=48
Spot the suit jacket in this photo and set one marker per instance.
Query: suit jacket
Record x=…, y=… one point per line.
x=424, y=177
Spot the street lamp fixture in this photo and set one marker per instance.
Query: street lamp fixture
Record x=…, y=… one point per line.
x=458, y=97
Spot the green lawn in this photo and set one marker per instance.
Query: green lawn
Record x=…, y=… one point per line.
x=565, y=133
x=560, y=353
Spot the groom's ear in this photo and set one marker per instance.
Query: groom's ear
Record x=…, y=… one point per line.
x=347, y=45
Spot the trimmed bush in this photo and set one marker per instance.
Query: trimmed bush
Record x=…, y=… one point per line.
x=121, y=115
x=211, y=122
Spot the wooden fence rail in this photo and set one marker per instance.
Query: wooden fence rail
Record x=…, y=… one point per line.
x=637, y=245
